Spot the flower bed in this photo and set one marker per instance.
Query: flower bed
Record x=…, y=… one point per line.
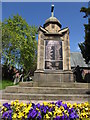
x=48, y=110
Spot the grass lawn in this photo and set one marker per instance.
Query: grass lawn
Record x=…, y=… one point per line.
x=5, y=83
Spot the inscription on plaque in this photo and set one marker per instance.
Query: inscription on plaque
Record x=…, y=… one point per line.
x=53, y=55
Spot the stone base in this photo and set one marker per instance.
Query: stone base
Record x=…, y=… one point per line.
x=53, y=76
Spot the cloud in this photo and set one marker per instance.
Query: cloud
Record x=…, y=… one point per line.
x=78, y=49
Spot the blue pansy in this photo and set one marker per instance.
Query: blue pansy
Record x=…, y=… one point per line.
x=38, y=105
x=39, y=117
x=7, y=105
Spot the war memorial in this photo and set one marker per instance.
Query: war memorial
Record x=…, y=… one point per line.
x=53, y=60
x=53, y=78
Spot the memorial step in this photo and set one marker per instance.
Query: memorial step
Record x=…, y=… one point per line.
x=46, y=90
x=55, y=84
x=21, y=96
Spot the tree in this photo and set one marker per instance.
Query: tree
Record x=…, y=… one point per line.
x=85, y=46
x=19, y=45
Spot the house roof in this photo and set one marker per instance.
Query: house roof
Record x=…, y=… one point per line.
x=77, y=59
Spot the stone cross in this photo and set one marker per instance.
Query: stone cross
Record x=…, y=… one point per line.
x=52, y=10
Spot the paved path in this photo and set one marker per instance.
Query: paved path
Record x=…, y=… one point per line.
x=36, y=101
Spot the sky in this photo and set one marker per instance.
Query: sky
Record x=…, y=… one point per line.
x=35, y=13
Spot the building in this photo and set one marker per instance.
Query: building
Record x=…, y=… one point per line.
x=83, y=69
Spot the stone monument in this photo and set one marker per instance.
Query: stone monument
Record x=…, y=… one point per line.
x=53, y=55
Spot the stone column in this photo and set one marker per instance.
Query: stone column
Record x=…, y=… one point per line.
x=66, y=52
x=69, y=63
x=40, y=52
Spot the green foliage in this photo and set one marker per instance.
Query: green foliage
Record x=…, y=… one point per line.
x=86, y=11
x=85, y=46
x=19, y=45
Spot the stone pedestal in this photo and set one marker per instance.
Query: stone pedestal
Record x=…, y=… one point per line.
x=53, y=76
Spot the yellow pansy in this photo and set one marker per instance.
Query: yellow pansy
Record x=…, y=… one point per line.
x=17, y=108
x=86, y=104
x=20, y=115
x=50, y=113
x=75, y=105
x=63, y=102
x=59, y=112
x=5, y=109
x=67, y=114
x=69, y=105
x=27, y=108
x=25, y=116
x=14, y=116
x=79, y=105
x=26, y=111
x=83, y=115
x=45, y=103
x=21, y=104
x=56, y=107
x=24, y=104
x=30, y=105
x=37, y=109
x=61, y=108
x=65, y=111
x=55, y=113
x=47, y=116
x=12, y=103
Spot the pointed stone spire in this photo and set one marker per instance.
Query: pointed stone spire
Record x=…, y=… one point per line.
x=52, y=10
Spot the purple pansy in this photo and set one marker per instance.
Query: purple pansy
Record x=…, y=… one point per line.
x=39, y=117
x=7, y=106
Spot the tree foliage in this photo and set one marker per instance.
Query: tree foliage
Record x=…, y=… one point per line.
x=19, y=45
x=85, y=46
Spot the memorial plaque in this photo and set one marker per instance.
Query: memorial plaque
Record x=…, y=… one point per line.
x=53, y=55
